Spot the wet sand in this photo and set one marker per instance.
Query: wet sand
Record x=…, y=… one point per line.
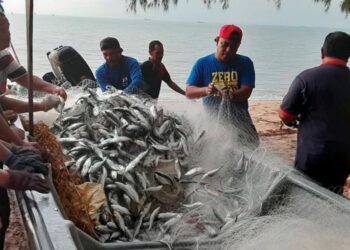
x=280, y=140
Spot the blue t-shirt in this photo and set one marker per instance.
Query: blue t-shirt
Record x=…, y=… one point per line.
x=238, y=72
x=127, y=76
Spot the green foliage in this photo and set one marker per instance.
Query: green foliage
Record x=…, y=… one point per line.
x=345, y=7
x=164, y=4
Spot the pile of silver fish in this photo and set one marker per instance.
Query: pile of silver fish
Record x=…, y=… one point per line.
x=119, y=140
x=142, y=156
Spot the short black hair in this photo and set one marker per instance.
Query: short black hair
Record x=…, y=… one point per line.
x=337, y=44
x=153, y=44
x=109, y=43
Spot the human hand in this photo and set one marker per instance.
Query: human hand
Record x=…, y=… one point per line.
x=293, y=124
x=10, y=115
x=61, y=92
x=32, y=145
x=28, y=163
x=210, y=89
x=50, y=102
x=19, y=132
x=21, y=180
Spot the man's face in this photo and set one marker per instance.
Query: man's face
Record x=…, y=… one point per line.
x=5, y=36
x=156, y=55
x=226, y=49
x=112, y=56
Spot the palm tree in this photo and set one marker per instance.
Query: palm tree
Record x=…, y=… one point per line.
x=145, y=4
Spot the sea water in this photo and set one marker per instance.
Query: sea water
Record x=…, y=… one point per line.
x=279, y=53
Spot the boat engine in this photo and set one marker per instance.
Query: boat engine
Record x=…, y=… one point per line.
x=67, y=65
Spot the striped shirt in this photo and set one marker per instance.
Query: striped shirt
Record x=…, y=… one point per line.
x=9, y=69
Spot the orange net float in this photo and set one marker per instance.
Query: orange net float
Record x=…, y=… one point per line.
x=64, y=183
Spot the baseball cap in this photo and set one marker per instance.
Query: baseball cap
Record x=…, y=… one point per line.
x=227, y=30
x=110, y=43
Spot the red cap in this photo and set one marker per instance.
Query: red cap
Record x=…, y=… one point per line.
x=226, y=31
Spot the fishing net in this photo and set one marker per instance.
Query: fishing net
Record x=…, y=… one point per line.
x=63, y=181
x=220, y=200
x=240, y=207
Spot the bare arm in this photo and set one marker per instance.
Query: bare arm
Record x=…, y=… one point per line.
x=176, y=88
x=42, y=86
x=4, y=177
x=242, y=94
x=193, y=92
x=19, y=106
x=7, y=134
x=4, y=150
x=4, y=154
x=286, y=117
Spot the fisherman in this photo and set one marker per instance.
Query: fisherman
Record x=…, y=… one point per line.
x=121, y=72
x=10, y=68
x=229, y=78
x=23, y=161
x=23, y=155
x=154, y=72
x=319, y=99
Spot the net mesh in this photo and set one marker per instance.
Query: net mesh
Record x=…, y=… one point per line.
x=226, y=203
x=63, y=181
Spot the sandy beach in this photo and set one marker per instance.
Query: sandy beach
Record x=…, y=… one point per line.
x=280, y=140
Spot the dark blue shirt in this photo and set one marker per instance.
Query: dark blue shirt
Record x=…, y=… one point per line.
x=321, y=97
x=238, y=72
x=127, y=76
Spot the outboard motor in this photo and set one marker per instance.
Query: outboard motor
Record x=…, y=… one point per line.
x=68, y=64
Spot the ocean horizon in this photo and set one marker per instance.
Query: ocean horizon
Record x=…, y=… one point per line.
x=279, y=53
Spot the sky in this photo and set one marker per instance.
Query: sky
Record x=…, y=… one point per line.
x=261, y=12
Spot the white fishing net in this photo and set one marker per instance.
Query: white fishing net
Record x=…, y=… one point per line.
x=229, y=198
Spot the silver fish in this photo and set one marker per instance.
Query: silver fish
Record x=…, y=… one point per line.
x=193, y=205
x=152, y=217
x=177, y=167
x=240, y=163
x=211, y=172
x=120, y=220
x=193, y=172
x=120, y=209
x=153, y=189
x=166, y=216
x=134, y=162
x=129, y=190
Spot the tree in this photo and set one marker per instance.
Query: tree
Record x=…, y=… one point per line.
x=145, y=4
